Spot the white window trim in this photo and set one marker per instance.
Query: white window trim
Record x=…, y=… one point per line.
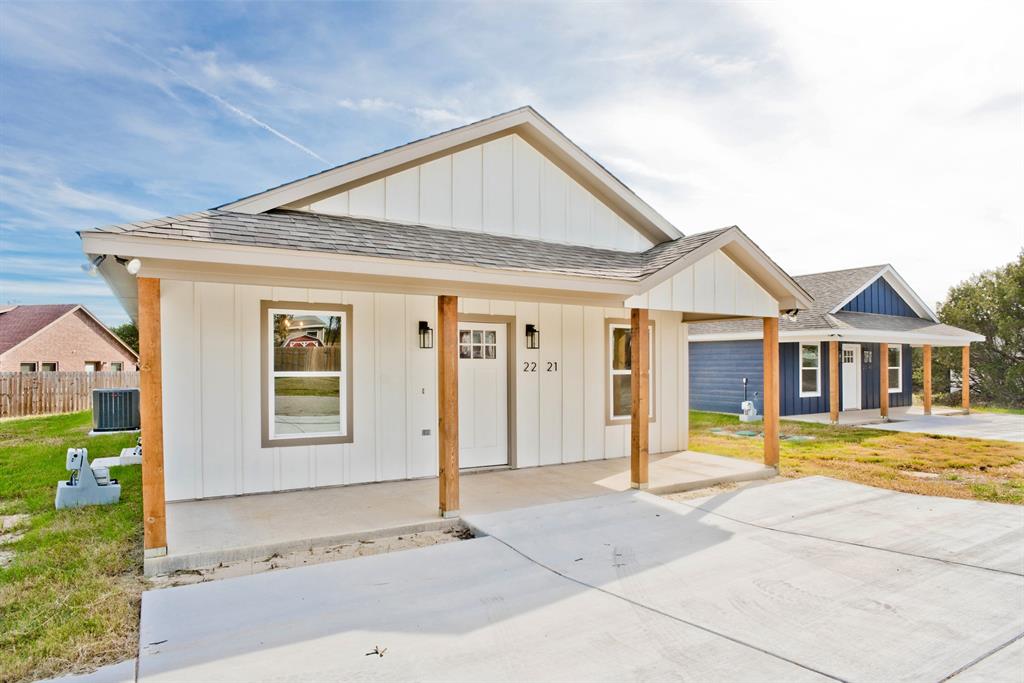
x=899, y=367
x=610, y=417
x=800, y=371
x=34, y=364
x=344, y=375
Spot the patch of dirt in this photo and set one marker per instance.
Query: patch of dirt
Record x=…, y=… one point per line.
x=301, y=558
x=9, y=533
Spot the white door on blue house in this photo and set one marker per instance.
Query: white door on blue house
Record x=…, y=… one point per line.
x=851, y=376
x=483, y=394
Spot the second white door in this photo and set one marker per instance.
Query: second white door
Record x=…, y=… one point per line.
x=483, y=394
x=851, y=376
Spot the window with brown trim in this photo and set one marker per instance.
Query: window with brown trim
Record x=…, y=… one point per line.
x=306, y=379
x=619, y=388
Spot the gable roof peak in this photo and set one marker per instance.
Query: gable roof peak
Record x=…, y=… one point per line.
x=524, y=121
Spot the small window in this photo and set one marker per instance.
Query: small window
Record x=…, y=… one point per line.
x=620, y=389
x=117, y=366
x=480, y=344
x=810, y=370
x=307, y=388
x=27, y=367
x=848, y=356
x=895, y=369
x=93, y=366
x=48, y=367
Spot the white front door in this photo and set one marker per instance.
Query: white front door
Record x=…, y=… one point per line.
x=851, y=376
x=483, y=394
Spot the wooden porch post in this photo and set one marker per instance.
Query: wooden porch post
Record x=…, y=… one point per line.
x=926, y=364
x=833, y=382
x=771, y=391
x=965, y=378
x=883, y=381
x=151, y=412
x=639, y=380
x=448, y=405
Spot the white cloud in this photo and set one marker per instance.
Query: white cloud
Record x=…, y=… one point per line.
x=427, y=115
x=212, y=65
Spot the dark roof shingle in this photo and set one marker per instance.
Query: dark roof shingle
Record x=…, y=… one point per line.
x=21, y=322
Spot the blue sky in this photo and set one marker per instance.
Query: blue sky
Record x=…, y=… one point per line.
x=834, y=135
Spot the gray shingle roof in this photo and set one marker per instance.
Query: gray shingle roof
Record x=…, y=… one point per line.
x=829, y=290
x=350, y=235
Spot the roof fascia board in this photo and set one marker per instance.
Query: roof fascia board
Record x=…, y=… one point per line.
x=240, y=255
x=851, y=336
x=902, y=288
x=532, y=127
x=745, y=253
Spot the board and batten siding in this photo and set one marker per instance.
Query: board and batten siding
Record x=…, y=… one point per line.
x=880, y=297
x=502, y=186
x=717, y=369
x=870, y=380
x=714, y=284
x=212, y=393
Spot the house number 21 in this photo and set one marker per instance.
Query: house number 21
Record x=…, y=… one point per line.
x=530, y=366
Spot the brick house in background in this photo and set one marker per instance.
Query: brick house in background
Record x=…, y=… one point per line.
x=59, y=337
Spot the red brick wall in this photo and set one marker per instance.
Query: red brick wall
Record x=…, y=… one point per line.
x=71, y=341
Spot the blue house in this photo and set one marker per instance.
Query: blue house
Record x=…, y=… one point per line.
x=862, y=320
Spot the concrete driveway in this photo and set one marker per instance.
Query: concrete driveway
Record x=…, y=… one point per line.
x=974, y=425
x=810, y=579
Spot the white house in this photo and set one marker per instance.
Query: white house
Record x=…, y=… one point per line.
x=466, y=300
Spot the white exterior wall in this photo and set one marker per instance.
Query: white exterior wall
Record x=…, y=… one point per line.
x=714, y=284
x=504, y=186
x=212, y=393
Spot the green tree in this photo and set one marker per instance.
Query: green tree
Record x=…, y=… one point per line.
x=992, y=304
x=129, y=334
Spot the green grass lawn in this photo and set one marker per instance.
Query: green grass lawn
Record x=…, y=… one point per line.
x=69, y=600
x=966, y=468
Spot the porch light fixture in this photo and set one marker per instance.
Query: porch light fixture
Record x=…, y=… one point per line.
x=133, y=266
x=426, y=335
x=93, y=266
x=532, y=337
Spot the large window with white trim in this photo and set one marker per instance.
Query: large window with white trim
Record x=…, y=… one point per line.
x=620, y=367
x=895, y=369
x=810, y=370
x=307, y=388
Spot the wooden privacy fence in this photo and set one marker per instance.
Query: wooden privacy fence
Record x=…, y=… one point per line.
x=44, y=393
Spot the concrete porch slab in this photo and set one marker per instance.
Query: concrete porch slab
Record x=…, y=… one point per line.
x=205, y=532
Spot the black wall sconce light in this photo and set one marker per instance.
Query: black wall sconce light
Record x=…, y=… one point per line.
x=426, y=336
x=532, y=337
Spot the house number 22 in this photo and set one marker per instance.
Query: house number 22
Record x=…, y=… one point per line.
x=530, y=366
